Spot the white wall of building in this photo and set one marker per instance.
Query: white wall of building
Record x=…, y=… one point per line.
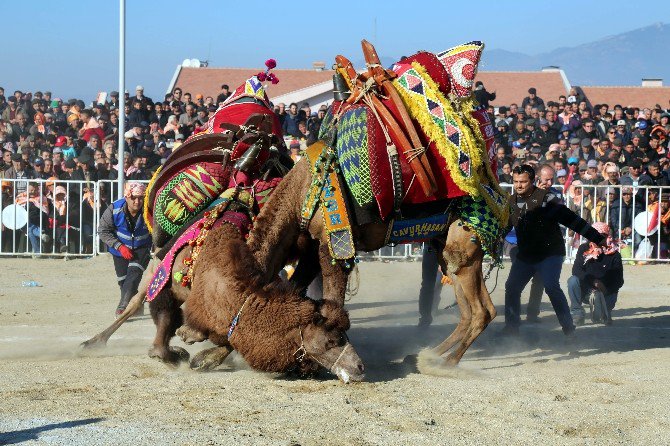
x=315, y=96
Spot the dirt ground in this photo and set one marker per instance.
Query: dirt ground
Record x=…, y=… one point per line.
x=606, y=386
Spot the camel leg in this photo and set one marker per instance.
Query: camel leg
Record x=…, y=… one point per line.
x=190, y=335
x=210, y=358
x=133, y=306
x=463, y=256
x=463, y=323
x=167, y=315
x=480, y=315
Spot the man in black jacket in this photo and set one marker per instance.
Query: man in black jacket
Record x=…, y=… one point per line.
x=483, y=96
x=536, y=214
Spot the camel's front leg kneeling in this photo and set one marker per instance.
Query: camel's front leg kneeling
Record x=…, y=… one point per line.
x=190, y=335
x=210, y=358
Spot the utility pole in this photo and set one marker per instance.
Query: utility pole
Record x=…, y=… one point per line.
x=122, y=92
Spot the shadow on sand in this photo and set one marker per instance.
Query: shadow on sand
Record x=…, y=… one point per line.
x=33, y=434
x=388, y=352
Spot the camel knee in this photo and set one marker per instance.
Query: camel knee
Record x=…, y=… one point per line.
x=454, y=257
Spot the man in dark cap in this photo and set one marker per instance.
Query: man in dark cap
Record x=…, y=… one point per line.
x=533, y=100
x=482, y=96
x=586, y=151
x=19, y=171
x=113, y=99
x=542, y=137
x=38, y=166
x=225, y=93
x=68, y=168
x=575, y=145
x=84, y=171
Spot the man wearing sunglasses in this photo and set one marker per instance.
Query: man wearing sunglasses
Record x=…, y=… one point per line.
x=536, y=216
x=123, y=230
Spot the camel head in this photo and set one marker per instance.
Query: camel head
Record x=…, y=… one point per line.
x=325, y=342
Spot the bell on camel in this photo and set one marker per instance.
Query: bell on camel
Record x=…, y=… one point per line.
x=340, y=88
x=248, y=160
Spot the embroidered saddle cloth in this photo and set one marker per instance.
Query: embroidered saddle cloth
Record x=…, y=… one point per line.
x=436, y=90
x=217, y=213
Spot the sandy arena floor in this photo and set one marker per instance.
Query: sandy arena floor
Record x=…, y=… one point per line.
x=607, y=386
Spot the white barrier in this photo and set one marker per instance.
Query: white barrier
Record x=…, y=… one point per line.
x=54, y=227
x=43, y=218
x=594, y=209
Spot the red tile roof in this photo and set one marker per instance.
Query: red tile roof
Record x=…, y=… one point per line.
x=208, y=81
x=512, y=86
x=628, y=96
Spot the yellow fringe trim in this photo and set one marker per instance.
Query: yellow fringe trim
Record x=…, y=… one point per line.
x=471, y=140
x=501, y=212
x=445, y=147
x=145, y=213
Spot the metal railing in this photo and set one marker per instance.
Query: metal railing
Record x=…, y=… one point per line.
x=43, y=218
x=596, y=203
x=46, y=218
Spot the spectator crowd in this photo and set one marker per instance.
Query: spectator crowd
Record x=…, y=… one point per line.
x=44, y=137
x=588, y=148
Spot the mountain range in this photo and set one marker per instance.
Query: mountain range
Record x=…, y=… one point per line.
x=621, y=59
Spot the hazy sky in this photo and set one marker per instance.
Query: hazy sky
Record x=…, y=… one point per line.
x=71, y=47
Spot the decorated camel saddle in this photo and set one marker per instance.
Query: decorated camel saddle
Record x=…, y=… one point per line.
x=224, y=174
x=415, y=135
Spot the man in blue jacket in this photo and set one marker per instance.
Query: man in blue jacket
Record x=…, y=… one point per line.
x=123, y=230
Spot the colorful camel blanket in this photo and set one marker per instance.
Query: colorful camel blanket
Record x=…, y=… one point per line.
x=193, y=236
x=216, y=214
x=436, y=89
x=187, y=194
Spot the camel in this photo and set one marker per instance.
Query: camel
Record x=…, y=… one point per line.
x=276, y=237
x=276, y=329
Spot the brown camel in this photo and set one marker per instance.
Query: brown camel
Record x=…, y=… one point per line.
x=276, y=330
x=276, y=237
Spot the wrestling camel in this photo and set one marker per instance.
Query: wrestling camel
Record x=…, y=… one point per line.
x=272, y=326
x=276, y=237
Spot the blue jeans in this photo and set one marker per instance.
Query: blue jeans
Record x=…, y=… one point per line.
x=536, y=288
x=577, y=298
x=34, y=235
x=519, y=276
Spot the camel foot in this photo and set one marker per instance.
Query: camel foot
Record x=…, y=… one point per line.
x=190, y=335
x=451, y=360
x=410, y=361
x=170, y=355
x=209, y=359
x=93, y=343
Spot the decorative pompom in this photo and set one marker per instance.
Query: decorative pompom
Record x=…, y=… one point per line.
x=272, y=78
x=261, y=77
x=270, y=63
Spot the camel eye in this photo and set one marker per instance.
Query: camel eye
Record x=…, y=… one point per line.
x=342, y=340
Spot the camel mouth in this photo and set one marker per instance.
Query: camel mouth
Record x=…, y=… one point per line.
x=347, y=377
x=348, y=367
